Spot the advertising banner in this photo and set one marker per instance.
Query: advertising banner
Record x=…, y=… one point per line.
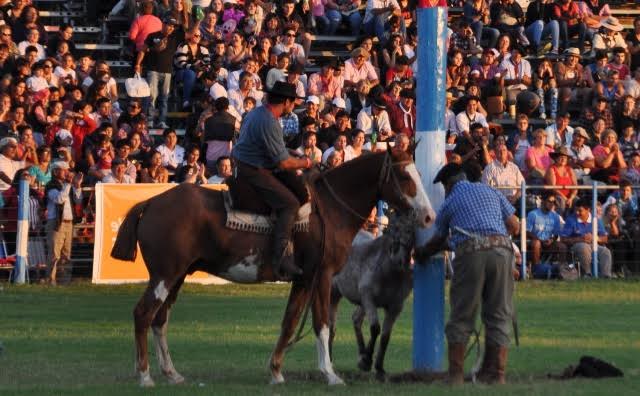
x=113, y=201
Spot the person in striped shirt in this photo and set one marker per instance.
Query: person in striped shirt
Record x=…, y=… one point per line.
x=191, y=60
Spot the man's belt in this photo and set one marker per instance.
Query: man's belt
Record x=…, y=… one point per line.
x=476, y=244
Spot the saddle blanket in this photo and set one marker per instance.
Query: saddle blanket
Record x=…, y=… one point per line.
x=251, y=222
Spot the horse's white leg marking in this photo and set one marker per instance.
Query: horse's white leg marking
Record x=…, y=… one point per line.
x=145, y=379
x=421, y=201
x=161, y=291
x=162, y=351
x=276, y=375
x=324, y=360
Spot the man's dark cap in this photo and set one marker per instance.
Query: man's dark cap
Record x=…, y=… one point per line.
x=448, y=171
x=408, y=93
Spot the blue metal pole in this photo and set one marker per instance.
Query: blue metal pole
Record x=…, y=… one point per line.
x=523, y=230
x=594, y=230
x=428, y=278
x=23, y=232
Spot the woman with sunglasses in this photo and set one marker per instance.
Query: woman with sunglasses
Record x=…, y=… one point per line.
x=191, y=61
x=288, y=44
x=134, y=110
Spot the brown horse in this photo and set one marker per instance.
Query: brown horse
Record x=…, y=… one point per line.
x=183, y=230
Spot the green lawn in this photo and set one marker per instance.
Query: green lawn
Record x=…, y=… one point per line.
x=79, y=340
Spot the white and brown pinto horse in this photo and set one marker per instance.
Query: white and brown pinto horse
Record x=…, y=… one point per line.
x=175, y=242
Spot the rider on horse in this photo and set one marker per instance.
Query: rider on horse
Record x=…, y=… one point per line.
x=264, y=162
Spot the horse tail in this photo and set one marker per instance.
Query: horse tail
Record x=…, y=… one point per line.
x=126, y=246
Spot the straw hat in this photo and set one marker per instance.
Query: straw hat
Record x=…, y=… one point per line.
x=612, y=23
x=560, y=151
x=573, y=51
x=360, y=52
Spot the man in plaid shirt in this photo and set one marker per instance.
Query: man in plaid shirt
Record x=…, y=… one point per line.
x=476, y=220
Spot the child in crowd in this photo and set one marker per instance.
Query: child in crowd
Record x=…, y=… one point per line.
x=84, y=68
x=105, y=153
x=37, y=82
x=65, y=71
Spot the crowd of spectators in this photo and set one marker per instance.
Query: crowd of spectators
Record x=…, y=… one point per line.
x=566, y=65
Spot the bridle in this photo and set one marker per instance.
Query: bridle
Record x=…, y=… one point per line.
x=386, y=174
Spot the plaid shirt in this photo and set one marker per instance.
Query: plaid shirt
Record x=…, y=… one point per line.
x=289, y=124
x=475, y=208
x=463, y=43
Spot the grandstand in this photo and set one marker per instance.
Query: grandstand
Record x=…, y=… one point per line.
x=106, y=38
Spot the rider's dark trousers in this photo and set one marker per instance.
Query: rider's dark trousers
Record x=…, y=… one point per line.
x=277, y=196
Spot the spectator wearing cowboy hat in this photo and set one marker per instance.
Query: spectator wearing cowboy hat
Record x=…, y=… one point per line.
x=359, y=68
x=581, y=158
x=570, y=80
x=560, y=173
x=609, y=36
x=374, y=120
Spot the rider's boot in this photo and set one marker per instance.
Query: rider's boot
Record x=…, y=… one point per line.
x=284, y=266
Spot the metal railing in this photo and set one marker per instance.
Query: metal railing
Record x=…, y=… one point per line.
x=594, y=188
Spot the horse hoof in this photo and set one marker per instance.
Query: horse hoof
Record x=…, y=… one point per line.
x=175, y=378
x=364, y=364
x=335, y=380
x=277, y=379
x=381, y=376
x=146, y=381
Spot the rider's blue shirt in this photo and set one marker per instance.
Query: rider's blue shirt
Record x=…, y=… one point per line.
x=261, y=141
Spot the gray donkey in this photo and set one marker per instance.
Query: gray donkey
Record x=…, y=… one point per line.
x=377, y=275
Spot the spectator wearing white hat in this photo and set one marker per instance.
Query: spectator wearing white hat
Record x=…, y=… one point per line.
x=312, y=109
x=609, y=36
x=8, y=163
x=580, y=156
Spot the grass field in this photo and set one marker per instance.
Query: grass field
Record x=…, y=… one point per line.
x=77, y=340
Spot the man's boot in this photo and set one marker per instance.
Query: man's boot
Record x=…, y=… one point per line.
x=493, y=364
x=456, y=364
x=284, y=266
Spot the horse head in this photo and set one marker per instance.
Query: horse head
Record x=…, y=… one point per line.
x=401, y=186
x=402, y=233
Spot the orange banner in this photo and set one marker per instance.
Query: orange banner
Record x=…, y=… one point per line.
x=113, y=201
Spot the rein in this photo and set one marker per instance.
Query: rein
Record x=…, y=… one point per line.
x=383, y=178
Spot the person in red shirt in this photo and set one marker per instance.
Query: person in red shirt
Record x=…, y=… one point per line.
x=401, y=70
x=571, y=22
x=402, y=116
x=83, y=126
